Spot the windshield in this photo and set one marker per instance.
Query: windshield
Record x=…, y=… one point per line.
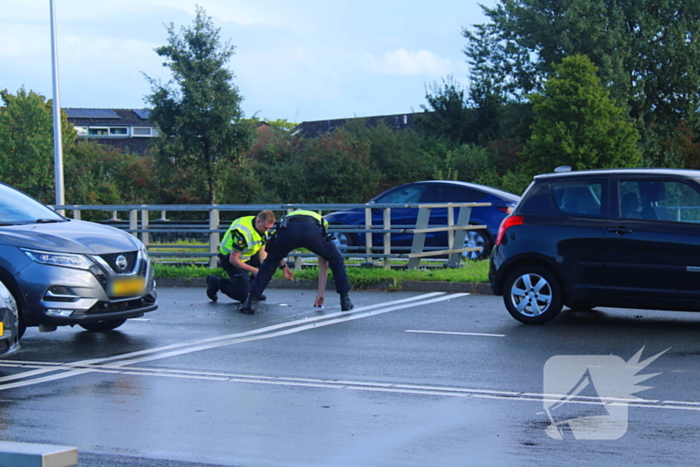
x=18, y=208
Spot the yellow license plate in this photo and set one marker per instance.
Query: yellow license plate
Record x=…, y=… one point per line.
x=2, y=328
x=127, y=287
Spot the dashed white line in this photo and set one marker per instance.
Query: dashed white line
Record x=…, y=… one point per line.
x=456, y=333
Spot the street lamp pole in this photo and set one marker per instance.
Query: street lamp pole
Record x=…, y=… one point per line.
x=57, y=143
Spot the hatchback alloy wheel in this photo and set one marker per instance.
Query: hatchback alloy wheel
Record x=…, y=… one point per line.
x=532, y=295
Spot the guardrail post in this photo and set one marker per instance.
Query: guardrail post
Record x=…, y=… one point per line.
x=450, y=223
x=387, y=238
x=419, y=238
x=214, y=237
x=76, y=214
x=145, y=236
x=460, y=236
x=133, y=221
x=368, y=235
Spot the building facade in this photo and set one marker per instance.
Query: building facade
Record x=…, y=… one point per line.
x=125, y=129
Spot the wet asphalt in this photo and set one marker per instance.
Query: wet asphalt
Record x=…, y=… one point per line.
x=406, y=378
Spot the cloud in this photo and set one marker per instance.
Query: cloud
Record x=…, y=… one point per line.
x=412, y=62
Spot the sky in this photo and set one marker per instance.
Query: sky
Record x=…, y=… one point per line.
x=300, y=61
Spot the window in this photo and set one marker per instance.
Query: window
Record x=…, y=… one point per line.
x=96, y=131
x=449, y=194
x=581, y=199
x=81, y=130
x=409, y=194
x=142, y=131
x=120, y=131
x=659, y=200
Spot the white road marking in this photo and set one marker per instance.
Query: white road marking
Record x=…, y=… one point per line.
x=444, y=391
x=456, y=333
x=78, y=368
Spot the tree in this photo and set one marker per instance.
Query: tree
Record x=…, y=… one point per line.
x=338, y=169
x=198, y=112
x=398, y=156
x=99, y=174
x=647, y=53
x=26, y=143
x=277, y=163
x=578, y=124
x=447, y=113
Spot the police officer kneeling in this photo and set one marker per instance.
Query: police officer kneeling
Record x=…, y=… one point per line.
x=300, y=229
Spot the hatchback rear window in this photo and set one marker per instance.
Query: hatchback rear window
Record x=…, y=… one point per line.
x=580, y=198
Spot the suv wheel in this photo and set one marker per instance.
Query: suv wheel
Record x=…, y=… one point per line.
x=532, y=295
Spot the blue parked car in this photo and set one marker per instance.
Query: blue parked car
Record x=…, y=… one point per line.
x=432, y=191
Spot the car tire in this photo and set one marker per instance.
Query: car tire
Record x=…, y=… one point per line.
x=344, y=241
x=102, y=326
x=532, y=295
x=477, y=238
x=20, y=322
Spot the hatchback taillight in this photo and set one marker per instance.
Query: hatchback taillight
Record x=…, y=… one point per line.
x=509, y=221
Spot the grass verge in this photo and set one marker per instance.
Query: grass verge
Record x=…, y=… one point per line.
x=360, y=277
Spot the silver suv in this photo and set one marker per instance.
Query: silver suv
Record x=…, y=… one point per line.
x=63, y=271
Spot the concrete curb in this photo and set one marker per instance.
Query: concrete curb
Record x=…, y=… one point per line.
x=408, y=286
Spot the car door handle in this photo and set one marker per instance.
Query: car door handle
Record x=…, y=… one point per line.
x=621, y=230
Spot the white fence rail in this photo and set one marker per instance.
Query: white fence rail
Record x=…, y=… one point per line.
x=153, y=221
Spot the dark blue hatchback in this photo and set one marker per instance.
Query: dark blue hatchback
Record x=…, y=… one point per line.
x=426, y=192
x=621, y=238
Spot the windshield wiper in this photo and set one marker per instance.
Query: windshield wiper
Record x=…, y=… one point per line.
x=47, y=221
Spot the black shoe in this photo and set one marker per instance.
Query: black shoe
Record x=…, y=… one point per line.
x=248, y=305
x=212, y=287
x=345, y=303
x=262, y=298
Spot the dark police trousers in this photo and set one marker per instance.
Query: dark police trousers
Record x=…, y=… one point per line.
x=238, y=286
x=301, y=232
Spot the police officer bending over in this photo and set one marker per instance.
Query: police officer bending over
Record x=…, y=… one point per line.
x=241, y=252
x=301, y=229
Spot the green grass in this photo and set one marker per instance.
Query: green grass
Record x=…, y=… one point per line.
x=360, y=277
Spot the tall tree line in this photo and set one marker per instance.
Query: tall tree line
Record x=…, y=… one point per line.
x=647, y=54
x=587, y=83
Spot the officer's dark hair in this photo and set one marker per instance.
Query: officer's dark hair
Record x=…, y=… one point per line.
x=266, y=216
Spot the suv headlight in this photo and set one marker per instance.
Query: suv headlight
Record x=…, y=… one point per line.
x=144, y=254
x=59, y=259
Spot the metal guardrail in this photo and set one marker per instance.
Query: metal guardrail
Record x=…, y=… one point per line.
x=149, y=221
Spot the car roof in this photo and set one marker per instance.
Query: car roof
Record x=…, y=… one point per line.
x=486, y=189
x=688, y=173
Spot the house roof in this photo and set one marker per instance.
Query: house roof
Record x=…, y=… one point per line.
x=404, y=121
x=108, y=117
